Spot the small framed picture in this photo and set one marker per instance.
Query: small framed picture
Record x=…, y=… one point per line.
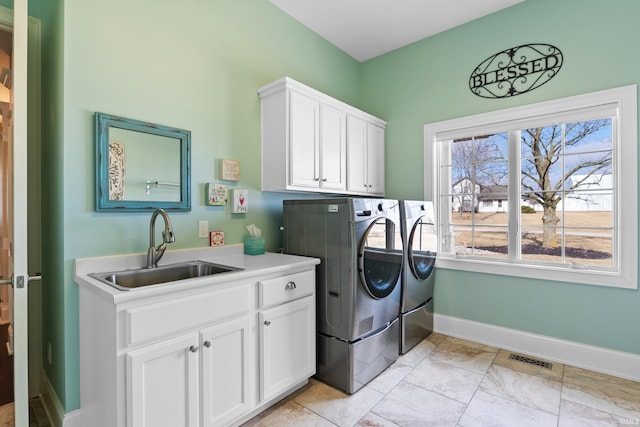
x=217, y=194
x=240, y=201
x=216, y=238
x=230, y=170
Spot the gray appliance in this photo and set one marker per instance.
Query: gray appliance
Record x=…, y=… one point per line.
x=419, y=241
x=358, y=282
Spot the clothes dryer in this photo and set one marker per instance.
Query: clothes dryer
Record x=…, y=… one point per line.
x=419, y=242
x=357, y=285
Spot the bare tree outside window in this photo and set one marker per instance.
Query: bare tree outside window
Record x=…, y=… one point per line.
x=559, y=165
x=551, y=157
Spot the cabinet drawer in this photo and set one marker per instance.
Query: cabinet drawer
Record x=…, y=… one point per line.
x=287, y=288
x=156, y=320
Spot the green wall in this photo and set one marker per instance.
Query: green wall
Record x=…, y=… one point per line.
x=428, y=82
x=193, y=64
x=197, y=65
x=54, y=291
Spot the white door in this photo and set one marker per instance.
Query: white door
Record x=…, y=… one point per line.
x=19, y=240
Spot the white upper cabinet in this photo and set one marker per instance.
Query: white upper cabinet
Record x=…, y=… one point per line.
x=304, y=144
x=333, y=162
x=305, y=140
x=317, y=144
x=365, y=151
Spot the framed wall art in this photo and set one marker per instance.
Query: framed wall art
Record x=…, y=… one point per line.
x=216, y=238
x=230, y=170
x=240, y=201
x=217, y=194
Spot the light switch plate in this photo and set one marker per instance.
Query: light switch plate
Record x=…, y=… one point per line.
x=203, y=229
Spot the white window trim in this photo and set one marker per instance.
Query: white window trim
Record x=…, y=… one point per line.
x=627, y=209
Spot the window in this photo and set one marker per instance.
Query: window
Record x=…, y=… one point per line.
x=541, y=191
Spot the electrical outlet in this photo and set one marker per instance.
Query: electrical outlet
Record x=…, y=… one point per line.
x=203, y=229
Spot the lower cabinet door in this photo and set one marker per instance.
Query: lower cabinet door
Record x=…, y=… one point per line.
x=163, y=383
x=226, y=385
x=287, y=346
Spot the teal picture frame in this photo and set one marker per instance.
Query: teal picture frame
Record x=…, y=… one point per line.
x=176, y=191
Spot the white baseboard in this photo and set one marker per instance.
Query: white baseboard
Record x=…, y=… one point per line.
x=53, y=407
x=599, y=359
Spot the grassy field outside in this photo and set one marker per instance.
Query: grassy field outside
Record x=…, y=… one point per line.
x=587, y=236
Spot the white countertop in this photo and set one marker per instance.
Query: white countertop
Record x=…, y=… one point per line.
x=232, y=255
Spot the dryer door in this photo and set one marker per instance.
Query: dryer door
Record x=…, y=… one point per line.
x=380, y=257
x=422, y=248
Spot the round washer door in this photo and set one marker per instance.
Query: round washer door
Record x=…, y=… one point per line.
x=422, y=245
x=380, y=257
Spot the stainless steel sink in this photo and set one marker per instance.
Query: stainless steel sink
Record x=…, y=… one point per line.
x=139, y=277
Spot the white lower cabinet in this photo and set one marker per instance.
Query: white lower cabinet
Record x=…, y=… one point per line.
x=226, y=377
x=169, y=381
x=163, y=383
x=287, y=346
x=197, y=358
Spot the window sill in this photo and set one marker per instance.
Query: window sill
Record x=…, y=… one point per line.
x=539, y=272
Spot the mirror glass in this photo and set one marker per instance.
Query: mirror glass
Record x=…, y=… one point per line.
x=141, y=166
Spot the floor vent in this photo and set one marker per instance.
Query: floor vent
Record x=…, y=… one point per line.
x=530, y=361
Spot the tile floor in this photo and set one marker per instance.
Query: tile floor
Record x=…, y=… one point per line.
x=445, y=381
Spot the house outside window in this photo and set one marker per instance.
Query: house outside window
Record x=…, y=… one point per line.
x=540, y=191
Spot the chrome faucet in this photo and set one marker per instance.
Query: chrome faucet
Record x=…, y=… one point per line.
x=154, y=254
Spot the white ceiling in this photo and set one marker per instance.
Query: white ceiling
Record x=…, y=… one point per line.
x=367, y=28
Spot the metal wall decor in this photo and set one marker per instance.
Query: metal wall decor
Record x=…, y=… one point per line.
x=515, y=71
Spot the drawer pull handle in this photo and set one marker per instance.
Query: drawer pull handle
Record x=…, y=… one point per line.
x=267, y=323
x=193, y=348
x=290, y=285
x=207, y=344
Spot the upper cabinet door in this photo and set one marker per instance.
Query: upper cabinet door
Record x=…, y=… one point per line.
x=375, y=159
x=365, y=154
x=304, y=146
x=357, y=155
x=333, y=146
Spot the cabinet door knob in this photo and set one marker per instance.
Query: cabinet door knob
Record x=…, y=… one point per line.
x=193, y=348
x=290, y=285
x=267, y=323
x=207, y=344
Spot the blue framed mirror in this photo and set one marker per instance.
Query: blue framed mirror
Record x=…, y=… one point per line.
x=141, y=166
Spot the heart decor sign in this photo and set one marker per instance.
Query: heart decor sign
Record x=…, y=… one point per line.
x=240, y=201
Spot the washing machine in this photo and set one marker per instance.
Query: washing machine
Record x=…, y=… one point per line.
x=420, y=245
x=359, y=243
